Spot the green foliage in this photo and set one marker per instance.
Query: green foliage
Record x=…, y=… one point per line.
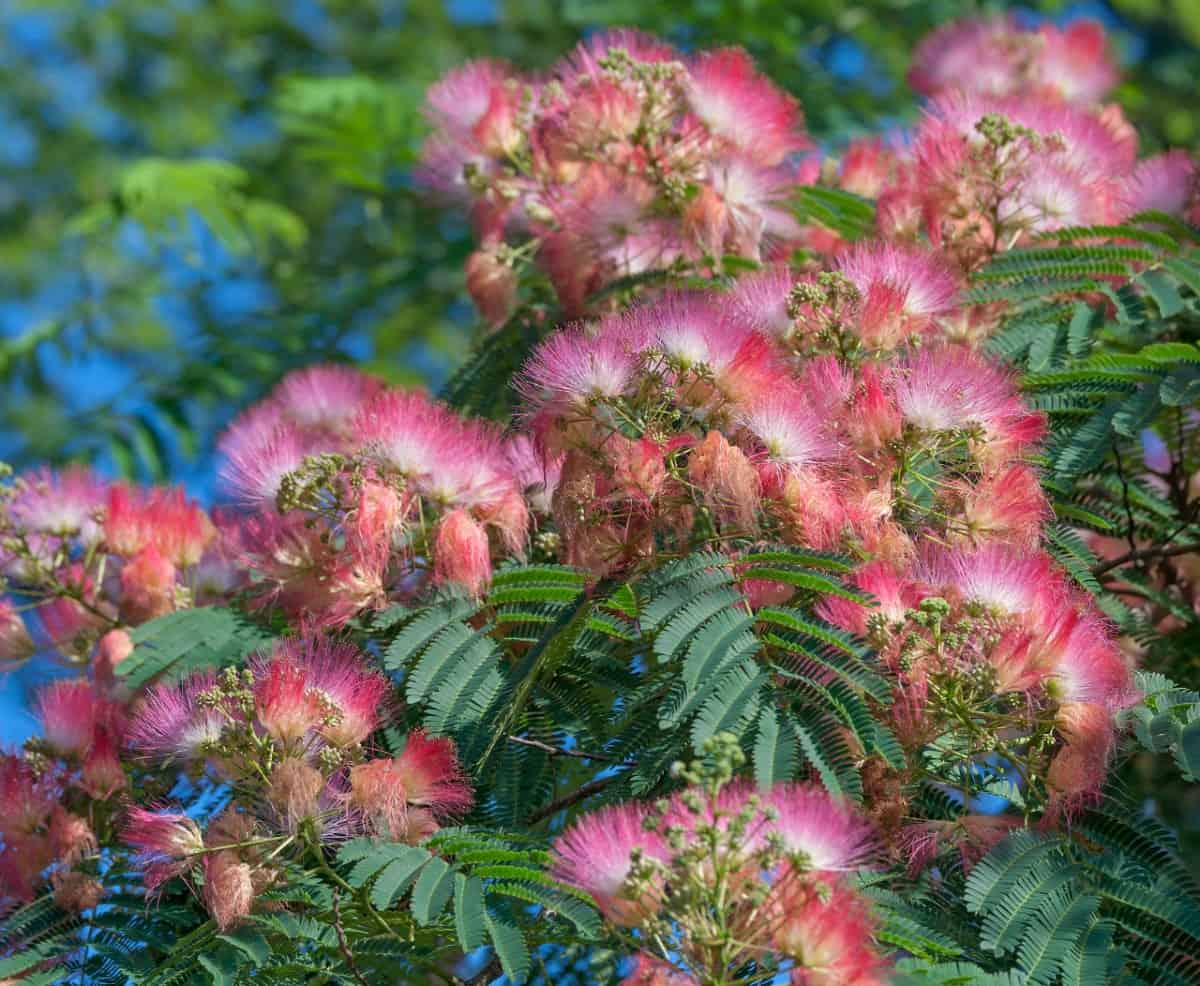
x=191, y=640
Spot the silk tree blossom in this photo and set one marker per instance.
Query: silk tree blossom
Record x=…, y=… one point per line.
x=625, y=158
x=1027, y=658
x=720, y=855
x=997, y=56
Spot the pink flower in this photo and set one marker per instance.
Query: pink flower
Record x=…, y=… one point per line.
x=228, y=888
x=790, y=435
x=256, y=460
x=829, y=930
x=165, y=843
x=70, y=711
x=492, y=285
x=743, y=109
x=461, y=552
x=147, y=586
x=761, y=300
x=1168, y=182
x=825, y=832
x=596, y=855
x=924, y=286
x=335, y=673
x=284, y=705
x=136, y=519
x=171, y=723
x=26, y=799
x=409, y=796
x=996, y=56
x=728, y=483
x=16, y=645
x=60, y=504
x=571, y=369
x=944, y=389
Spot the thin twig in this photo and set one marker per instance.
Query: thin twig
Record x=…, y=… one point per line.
x=1132, y=533
x=343, y=945
x=558, y=804
x=558, y=751
x=1144, y=554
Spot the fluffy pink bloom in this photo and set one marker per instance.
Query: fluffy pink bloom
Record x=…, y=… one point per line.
x=305, y=575
x=572, y=368
x=1168, y=182
x=919, y=287
x=284, y=705
x=943, y=389
x=790, y=434
x=1002, y=579
x=537, y=473
x=324, y=399
x=102, y=774
x=60, y=504
x=228, y=888
x=492, y=285
x=256, y=460
x=348, y=691
x=70, y=711
x=996, y=56
x=1009, y=505
x=829, y=930
x=460, y=100
x=586, y=57
x=170, y=723
x=892, y=596
x=461, y=553
x=650, y=971
x=406, y=432
x=742, y=108
x=70, y=835
x=596, y=855
x=742, y=209
x=16, y=645
x=761, y=300
x=147, y=586
x=165, y=842
x=826, y=832
x=136, y=519
x=26, y=799
x=409, y=796
x=727, y=481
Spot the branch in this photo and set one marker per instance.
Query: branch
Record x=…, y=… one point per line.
x=344, y=946
x=558, y=804
x=558, y=751
x=1144, y=554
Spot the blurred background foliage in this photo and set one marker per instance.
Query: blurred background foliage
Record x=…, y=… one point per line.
x=197, y=195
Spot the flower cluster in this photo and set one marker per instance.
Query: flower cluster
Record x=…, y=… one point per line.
x=358, y=492
x=768, y=413
x=627, y=157
x=66, y=781
x=720, y=876
x=92, y=555
x=290, y=734
x=996, y=656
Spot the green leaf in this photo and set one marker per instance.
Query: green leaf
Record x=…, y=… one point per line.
x=433, y=890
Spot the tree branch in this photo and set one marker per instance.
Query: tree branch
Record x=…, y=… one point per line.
x=558, y=804
x=558, y=751
x=1145, y=554
x=344, y=946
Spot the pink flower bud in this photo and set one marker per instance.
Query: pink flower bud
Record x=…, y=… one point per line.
x=228, y=888
x=492, y=285
x=461, y=554
x=16, y=645
x=147, y=587
x=111, y=650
